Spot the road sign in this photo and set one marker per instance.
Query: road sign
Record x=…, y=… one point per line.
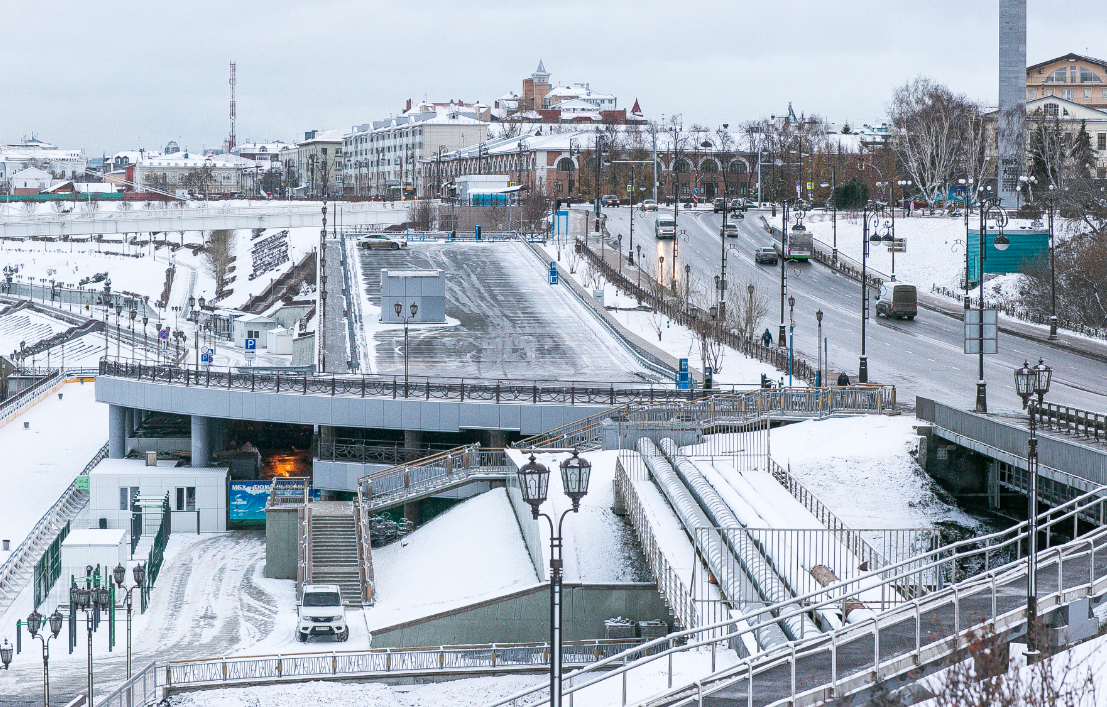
x=205, y=358
x=810, y=186
x=205, y=350
x=630, y=189
x=899, y=245
x=553, y=272
x=251, y=344
x=977, y=337
x=163, y=334
x=251, y=355
x=695, y=191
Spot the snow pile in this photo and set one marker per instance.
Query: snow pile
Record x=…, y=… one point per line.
x=470, y=553
x=40, y=462
x=863, y=469
x=598, y=546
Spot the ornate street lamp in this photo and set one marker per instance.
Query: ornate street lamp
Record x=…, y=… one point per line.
x=119, y=574
x=534, y=480
x=399, y=309
x=1031, y=383
x=35, y=623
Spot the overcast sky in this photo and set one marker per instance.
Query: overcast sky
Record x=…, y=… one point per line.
x=123, y=75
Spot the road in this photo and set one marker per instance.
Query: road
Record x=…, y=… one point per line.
x=921, y=357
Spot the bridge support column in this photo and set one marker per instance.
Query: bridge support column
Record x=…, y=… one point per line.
x=117, y=432
x=201, y=441
x=497, y=439
x=992, y=474
x=413, y=439
x=413, y=511
x=129, y=417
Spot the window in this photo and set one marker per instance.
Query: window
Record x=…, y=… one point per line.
x=186, y=498
x=1047, y=92
x=1105, y=93
x=564, y=165
x=738, y=167
x=127, y=497
x=1031, y=94
x=1057, y=76
x=1088, y=93
x=1089, y=76
x=1066, y=93
x=1072, y=74
x=1050, y=109
x=1101, y=141
x=682, y=166
x=709, y=166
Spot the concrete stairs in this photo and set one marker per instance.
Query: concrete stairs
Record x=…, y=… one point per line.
x=334, y=558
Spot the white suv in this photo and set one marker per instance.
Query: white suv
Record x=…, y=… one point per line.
x=321, y=613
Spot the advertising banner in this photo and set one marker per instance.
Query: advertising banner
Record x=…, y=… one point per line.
x=247, y=500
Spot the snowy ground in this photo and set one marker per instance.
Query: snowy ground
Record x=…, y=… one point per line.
x=598, y=546
x=477, y=544
x=676, y=340
x=863, y=469
x=40, y=462
x=510, y=323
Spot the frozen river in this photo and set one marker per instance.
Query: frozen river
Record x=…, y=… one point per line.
x=504, y=320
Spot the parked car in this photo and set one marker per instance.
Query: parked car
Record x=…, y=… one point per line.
x=649, y=205
x=609, y=200
x=897, y=299
x=718, y=205
x=765, y=255
x=739, y=204
x=730, y=230
x=376, y=241
x=321, y=613
x=664, y=227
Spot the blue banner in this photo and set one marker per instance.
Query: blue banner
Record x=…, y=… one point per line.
x=247, y=500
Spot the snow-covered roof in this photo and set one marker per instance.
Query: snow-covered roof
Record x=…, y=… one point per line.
x=184, y=159
x=255, y=319
x=335, y=135
x=32, y=173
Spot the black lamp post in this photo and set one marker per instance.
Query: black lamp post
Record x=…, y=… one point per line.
x=1030, y=383
x=120, y=576
x=90, y=599
x=989, y=208
x=833, y=184
x=35, y=622
x=791, y=335
x=534, y=482
x=819, y=346
x=399, y=308
x=6, y=653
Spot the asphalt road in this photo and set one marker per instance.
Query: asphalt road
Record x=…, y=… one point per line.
x=921, y=357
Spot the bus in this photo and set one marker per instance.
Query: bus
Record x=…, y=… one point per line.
x=798, y=245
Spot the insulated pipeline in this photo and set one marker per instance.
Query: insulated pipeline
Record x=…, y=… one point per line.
x=769, y=584
x=735, y=586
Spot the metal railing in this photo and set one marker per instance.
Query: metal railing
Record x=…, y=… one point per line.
x=1021, y=313
x=974, y=583
x=141, y=690
x=1072, y=421
x=288, y=491
x=27, y=395
x=387, y=487
x=677, y=595
x=355, y=450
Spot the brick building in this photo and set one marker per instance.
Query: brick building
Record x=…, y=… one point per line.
x=1075, y=78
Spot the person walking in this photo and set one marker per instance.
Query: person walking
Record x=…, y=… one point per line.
x=843, y=379
x=767, y=338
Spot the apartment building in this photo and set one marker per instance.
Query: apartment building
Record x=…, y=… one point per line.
x=1075, y=78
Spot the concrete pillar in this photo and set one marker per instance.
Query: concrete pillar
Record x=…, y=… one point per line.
x=117, y=432
x=129, y=417
x=218, y=435
x=497, y=439
x=201, y=441
x=413, y=511
x=413, y=439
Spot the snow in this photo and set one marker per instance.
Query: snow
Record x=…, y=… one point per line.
x=41, y=462
x=28, y=327
x=476, y=544
x=863, y=469
x=597, y=545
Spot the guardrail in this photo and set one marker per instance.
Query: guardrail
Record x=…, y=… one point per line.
x=1022, y=314
x=972, y=583
x=354, y=450
x=17, y=401
x=141, y=690
x=676, y=593
x=1070, y=420
x=390, y=486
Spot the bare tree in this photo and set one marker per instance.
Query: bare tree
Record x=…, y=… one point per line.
x=745, y=311
x=930, y=122
x=218, y=256
x=29, y=208
x=421, y=214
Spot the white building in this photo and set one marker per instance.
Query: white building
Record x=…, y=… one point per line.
x=62, y=164
x=579, y=92
x=30, y=181
x=253, y=326
x=171, y=172
x=267, y=155
x=382, y=158
x=196, y=495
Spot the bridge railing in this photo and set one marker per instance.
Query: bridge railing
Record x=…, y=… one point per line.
x=450, y=467
x=966, y=585
x=1070, y=420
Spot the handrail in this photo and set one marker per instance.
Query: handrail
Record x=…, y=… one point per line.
x=943, y=563
x=1070, y=420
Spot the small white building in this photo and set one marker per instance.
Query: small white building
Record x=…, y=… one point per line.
x=32, y=178
x=196, y=495
x=253, y=326
x=424, y=288
x=92, y=546
x=279, y=341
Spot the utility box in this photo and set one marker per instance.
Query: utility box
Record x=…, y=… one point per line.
x=424, y=288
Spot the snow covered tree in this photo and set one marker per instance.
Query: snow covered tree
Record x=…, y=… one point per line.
x=1081, y=156
x=218, y=256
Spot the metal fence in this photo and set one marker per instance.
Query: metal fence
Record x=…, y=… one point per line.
x=49, y=378
x=356, y=450
x=288, y=491
x=979, y=583
x=1021, y=313
x=48, y=568
x=390, y=486
x=1072, y=421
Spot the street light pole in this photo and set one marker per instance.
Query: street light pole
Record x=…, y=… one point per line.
x=1031, y=382
x=791, y=335
x=120, y=576
x=399, y=309
x=819, y=346
x=782, y=334
x=34, y=624
x=534, y=480
x=863, y=365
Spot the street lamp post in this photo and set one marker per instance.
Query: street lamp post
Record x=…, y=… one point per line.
x=833, y=184
x=120, y=576
x=399, y=308
x=6, y=651
x=35, y=623
x=782, y=334
x=988, y=206
x=90, y=599
x=819, y=346
x=1031, y=382
x=534, y=481
x=791, y=335
x=863, y=364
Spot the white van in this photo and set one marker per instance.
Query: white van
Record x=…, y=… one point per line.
x=664, y=227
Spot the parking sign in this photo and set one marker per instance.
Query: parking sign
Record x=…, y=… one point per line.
x=251, y=344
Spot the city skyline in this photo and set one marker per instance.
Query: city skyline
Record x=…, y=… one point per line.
x=280, y=93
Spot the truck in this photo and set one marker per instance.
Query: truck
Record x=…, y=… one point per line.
x=664, y=227
x=897, y=299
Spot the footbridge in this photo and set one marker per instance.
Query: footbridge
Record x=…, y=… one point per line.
x=364, y=215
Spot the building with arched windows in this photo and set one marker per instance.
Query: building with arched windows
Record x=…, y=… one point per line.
x=1075, y=78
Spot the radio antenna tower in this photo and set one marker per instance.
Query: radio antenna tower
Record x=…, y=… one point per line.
x=231, y=142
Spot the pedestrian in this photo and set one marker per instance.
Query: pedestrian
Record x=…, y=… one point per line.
x=767, y=338
x=843, y=379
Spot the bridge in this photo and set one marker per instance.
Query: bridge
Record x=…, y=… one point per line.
x=371, y=215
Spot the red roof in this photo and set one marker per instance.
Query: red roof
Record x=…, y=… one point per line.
x=636, y=110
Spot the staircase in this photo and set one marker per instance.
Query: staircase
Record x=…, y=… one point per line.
x=334, y=556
